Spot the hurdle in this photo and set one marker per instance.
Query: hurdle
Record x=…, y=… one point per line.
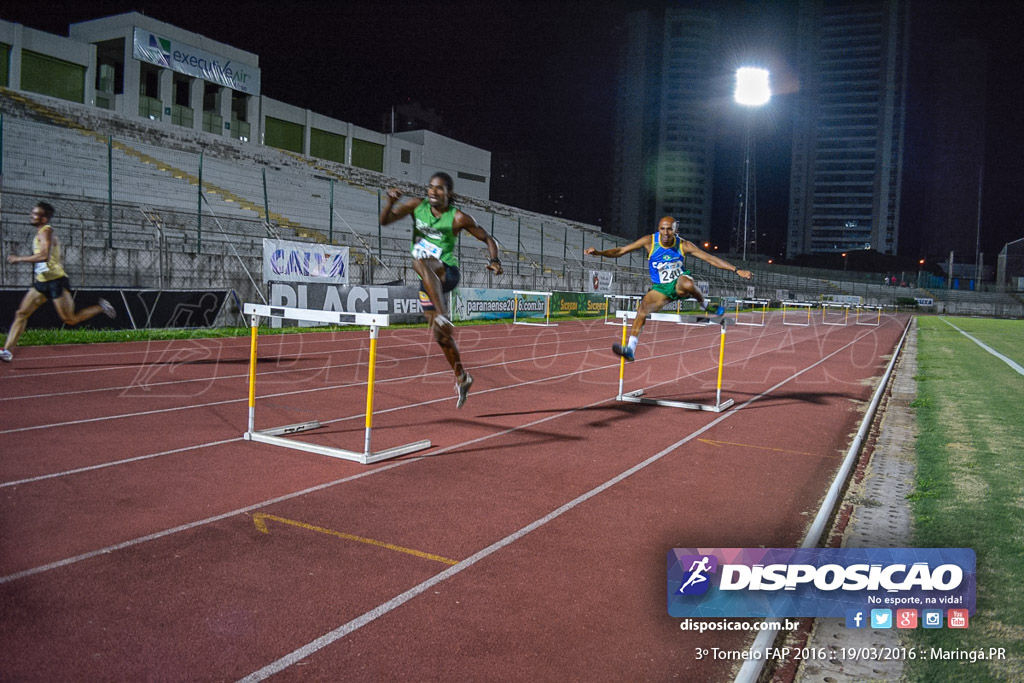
x=825, y=305
x=276, y=435
x=629, y=299
x=878, y=317
x=547, y=308
x=786, y=305
x=638, y=397
x=763, y=303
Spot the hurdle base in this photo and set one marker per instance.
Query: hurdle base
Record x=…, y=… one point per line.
x=637, y=397
x=271, y=436
x=520, y=322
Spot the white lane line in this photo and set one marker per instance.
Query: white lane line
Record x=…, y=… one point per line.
x=389, y=606
x=1009, y=361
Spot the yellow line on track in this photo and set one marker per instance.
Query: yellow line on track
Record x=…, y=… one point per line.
x=260, y=520
x=749, y=445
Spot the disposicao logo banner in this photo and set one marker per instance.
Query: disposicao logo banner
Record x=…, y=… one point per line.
x=817, y=582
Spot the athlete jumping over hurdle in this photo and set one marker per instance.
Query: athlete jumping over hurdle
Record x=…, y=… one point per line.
x=436, y=225
x=669, y=282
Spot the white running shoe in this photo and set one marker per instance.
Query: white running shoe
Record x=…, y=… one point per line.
x=6, y=356
x=108, y=310
x=462, y=389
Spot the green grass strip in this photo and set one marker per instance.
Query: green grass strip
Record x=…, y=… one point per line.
x=970, y=488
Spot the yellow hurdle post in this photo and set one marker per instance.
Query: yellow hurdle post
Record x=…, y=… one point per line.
x=721, y=358
x=369, y=385
x=252, y=373
x=622, y=360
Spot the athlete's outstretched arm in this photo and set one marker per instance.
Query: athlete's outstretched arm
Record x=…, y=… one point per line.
x=616, y=252
x=692, y=249
x=463, y=221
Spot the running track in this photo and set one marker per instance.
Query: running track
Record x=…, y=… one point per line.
x=142, y=538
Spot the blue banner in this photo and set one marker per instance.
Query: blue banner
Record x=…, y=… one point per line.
x=817, y=582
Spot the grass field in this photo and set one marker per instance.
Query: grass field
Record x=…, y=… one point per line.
x=970, y=486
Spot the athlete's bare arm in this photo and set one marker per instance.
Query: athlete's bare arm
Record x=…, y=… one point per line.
x=393, y=209
x=688, y=247
x=463, y=221
x=616, y=252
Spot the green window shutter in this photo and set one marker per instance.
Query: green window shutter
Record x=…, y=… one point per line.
x=282, y=134
x=367, y=155
x=54, y=77
x=324, y=145
x=5, y=65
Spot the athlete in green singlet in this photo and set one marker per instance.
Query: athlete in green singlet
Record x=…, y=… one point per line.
x=436, y=225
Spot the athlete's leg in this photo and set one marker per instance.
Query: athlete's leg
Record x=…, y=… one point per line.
x=65, y=306
x=32, y=300
x=431, y=271
x=652, y=302
x=686, y=287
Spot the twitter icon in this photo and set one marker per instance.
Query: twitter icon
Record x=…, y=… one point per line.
x=881, y=618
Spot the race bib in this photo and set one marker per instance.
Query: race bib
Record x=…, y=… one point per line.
x=41, y=268
x=668, y=271
x=424, y=249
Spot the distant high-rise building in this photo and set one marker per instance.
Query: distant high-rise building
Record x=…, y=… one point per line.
x=954, y=152
x=664, y=137
x=848, y=129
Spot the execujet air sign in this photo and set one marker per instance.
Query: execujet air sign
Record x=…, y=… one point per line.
x=816, y=582
x=191, y=61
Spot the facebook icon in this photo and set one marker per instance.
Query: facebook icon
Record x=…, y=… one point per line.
x=855, y=618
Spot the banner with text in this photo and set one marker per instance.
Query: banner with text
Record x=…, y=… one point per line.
x=817, y=582
x=191, y=61
x=601, y=281
x=285, y=261
x=401, y=303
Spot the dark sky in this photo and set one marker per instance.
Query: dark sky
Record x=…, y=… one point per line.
x=542, y=75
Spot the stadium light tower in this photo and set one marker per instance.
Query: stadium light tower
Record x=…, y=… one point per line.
x=752, y=91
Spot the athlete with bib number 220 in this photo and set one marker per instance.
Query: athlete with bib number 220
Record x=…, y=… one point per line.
x=666, y=254
x=436, y=225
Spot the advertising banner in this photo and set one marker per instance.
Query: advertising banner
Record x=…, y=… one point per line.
x=401, y=303
x=487, y=304
x=576, y=304
x=842, y=299
x=600, y=281
x=819, y=582
x=285, y=261
x=191, y=61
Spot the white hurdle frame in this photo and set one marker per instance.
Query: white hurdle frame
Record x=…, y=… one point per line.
x=275, y=435
x=825, y=305
x=627, y=297
x=547, y=308
x=763, y=303
x=637, y=396
x=878, y=318
x=797, y=304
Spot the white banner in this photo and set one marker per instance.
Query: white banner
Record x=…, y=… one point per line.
x=285, y=261
x=191, y=61
x=600, y=281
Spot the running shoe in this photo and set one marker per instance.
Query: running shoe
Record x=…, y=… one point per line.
x=623, y=351
x=719, y=311
x=108, y=310
x=6, y=356
x=462, y=389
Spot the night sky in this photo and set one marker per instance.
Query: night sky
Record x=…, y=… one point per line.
x=541, y=76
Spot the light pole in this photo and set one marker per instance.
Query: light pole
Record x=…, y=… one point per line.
x=844, y=261
x=752, y=90
x=920, y=265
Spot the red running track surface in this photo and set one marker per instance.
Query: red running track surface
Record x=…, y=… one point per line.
x=142, y=538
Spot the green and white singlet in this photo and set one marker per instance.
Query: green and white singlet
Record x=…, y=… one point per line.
x=434, y=236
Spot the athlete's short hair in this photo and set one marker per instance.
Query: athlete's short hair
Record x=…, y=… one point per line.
x=46, y=207
x=446, y=179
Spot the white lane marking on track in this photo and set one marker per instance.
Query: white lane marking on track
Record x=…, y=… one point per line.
x=1009, y=361
x=384, y=608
